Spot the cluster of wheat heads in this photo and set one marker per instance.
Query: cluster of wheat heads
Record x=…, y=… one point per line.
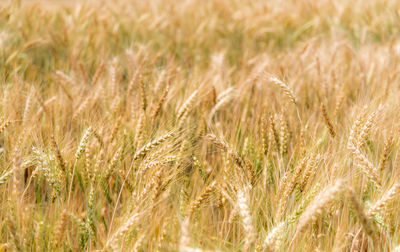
x=199, y=126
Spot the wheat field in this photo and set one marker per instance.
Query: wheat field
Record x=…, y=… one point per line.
x=200, y=125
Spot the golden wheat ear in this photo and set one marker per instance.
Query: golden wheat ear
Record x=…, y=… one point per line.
x=327, y=121
x=321, y=202
x=285, y=88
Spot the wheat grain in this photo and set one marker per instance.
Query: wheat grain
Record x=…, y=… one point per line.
x=245, y=215
x=327, y=120
x=288, y=92
x=273, y=240
x=195, y=205
x=322, y=201
x=82, y=145
x=151, y=145
x=187, y=105
x=385, y=153
x=389, y=196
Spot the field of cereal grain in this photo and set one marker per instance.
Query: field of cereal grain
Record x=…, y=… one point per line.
x=200, y=125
